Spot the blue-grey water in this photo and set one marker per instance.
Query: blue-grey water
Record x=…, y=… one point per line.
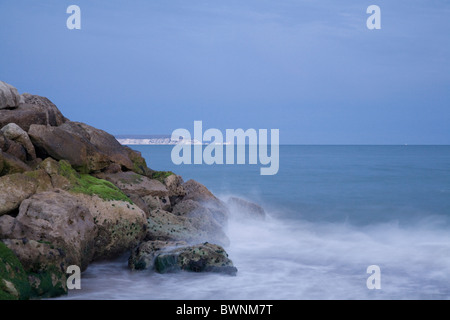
x=333, y=211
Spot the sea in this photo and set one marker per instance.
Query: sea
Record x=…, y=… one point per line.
x=332, y=213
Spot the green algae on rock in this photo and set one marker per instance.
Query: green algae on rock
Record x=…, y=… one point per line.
x=13, y=278
x=87, y=184
x=161, y=175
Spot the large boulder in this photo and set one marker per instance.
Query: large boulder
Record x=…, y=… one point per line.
x=165, y=226
x=148, y=194
x=204, y=257
x=121, y=225
x=198, y=192
x=9, y=97
x=169, y=256
x=104, y=143
x=63, y=145
x=61, y=220
x=87, y=149
x=15, y=133
x=14, y=189
x=34, y=110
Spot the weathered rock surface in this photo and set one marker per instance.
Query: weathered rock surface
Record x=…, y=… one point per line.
x=58, y=218
x=6, y=226
x=14, y=283
x=9, y=97
x=34, y=110
x=172, y=256
x=121, y=225
x=105, y=145
x=13, y=165
x=87, y=149
x=198, y=192
x=62, y=145
x=174, y=184
x=143, y=256
x=199, y=258
x=14, y=189
x=40, y=266
x=246, y=209
x=165, y=226
x=202, y=218
x=139, y=163
x=36, y=256
x=148, y=194
x=14, y=149
x=15, y=133
x=56, y=173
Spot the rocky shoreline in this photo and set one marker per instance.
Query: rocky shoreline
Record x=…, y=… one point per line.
x=71, y=194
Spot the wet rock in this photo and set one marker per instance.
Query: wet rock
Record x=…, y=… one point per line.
x=165, y=226
x=169, y=256
x=197, y=192
x=199, y=258
x=14, y=283
x=143, y=256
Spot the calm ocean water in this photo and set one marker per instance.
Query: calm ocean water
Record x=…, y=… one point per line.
x=333, y=211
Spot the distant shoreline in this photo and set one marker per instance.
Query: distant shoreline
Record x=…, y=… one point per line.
x=160, y=139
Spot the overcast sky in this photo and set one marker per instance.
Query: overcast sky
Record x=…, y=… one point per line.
x=310, y=68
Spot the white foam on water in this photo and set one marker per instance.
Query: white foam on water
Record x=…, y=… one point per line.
x=295, y=259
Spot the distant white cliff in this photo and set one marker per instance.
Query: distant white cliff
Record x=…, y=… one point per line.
x=153, y=140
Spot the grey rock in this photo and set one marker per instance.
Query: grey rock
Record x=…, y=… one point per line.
x=87, y=149
x=204, y=257
x=6, y=226
x=198, y=192
x=121, y=225
x=165, y=226
x=148, y=194
x=34, y=110
x=14, y=189
x=13, y=132
x=174, y=184
x=9, y=97
x=169, y=256
x=58, y=218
